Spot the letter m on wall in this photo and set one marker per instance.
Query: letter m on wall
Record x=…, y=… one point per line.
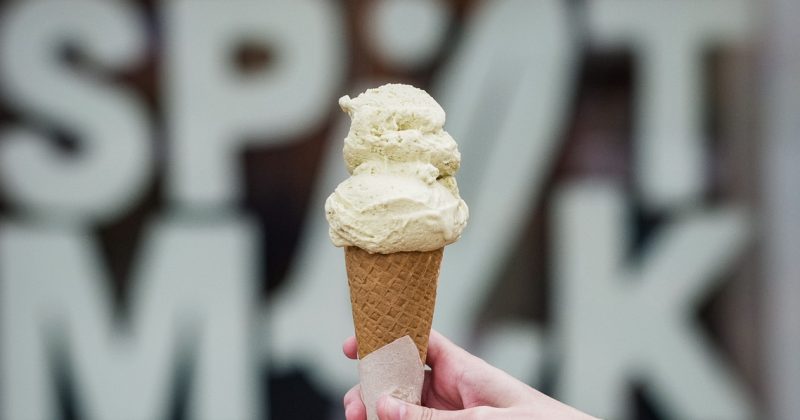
x=190, y=299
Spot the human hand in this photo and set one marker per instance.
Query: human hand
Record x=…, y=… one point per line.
x=461, y=386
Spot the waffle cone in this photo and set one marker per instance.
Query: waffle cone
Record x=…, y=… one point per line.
x=392, y=295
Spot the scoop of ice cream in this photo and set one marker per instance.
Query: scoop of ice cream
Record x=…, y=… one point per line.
x=398, y=123
x=401, y=207
x=402, y=195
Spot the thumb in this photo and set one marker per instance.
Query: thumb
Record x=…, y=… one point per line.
x=390, y=408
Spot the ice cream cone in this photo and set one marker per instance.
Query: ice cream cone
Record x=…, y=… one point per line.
x=392, y=295
x=394, y=215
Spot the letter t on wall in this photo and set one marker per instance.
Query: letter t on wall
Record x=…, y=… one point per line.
x=668, y=39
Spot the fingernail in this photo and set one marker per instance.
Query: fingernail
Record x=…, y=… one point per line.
x=396, y=408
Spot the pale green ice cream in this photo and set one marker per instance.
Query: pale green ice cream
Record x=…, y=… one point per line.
x=402, y=195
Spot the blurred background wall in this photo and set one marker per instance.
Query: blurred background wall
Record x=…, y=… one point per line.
x=630, y=167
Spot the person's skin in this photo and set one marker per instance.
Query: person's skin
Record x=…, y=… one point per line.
x=462, y=386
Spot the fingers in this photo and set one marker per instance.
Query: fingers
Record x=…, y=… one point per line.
x=353, y=406
x=390, y=408
x=440, y=348
x=350, y=348
x=468, y=380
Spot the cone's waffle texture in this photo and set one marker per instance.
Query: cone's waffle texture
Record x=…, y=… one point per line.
x=392, y=295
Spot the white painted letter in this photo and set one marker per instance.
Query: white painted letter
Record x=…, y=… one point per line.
x=191, y=303
x=669, y=38
x=114, y=154
x=215, y=111
x=618, y=322
x=506, y=93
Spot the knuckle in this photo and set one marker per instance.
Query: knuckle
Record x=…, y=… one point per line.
x=480, y=413
x=426, y=414
x=350, y=395
x=487, y=413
